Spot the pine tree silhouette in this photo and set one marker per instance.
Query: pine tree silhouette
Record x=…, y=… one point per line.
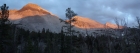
x=5, y=38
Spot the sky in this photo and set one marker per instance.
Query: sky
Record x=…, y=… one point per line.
x=100, y=10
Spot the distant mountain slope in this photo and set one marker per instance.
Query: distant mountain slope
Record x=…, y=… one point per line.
x=82, y=22
x=37, y=23
x=110, y=25
x=35, y=18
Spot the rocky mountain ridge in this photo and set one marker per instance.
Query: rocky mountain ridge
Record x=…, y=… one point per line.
x=35, y=18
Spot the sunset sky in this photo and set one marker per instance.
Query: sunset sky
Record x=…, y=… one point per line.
x=99, y=10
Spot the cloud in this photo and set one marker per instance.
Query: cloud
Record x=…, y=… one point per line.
x=101, y=10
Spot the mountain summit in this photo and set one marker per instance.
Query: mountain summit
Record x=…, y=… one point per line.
x=31, y=9
x=30, y=6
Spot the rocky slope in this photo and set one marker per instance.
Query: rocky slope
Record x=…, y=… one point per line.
x=35, y=18
x=82, y=22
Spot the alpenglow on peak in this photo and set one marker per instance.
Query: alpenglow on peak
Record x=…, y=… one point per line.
x=33, y=7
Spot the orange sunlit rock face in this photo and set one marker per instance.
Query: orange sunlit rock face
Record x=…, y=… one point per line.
x=31, y=10
x=27, y=10
x=82, y=22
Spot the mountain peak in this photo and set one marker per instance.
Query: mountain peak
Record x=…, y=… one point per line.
x=30, y=6
x=31, y=9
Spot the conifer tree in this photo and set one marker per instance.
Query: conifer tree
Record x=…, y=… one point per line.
x=4, y=29
x=70, y=14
